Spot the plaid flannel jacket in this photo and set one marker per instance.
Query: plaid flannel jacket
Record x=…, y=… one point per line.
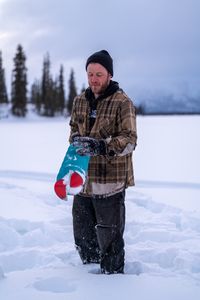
x=116, y=123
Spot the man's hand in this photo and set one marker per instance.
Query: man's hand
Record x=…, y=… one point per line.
x=89, y=146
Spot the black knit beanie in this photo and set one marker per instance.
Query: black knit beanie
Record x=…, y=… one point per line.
x=103, y=58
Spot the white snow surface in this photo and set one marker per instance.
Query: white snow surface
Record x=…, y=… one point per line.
x=38, y=259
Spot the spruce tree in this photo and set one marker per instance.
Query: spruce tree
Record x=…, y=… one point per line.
x=72, y=92
x=36, y=98
x=51, y=104
x=48, y=101
x=3, y=90
x=61, y=91
x=19, y=84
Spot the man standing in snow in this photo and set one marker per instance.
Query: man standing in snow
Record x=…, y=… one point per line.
x=103, y=126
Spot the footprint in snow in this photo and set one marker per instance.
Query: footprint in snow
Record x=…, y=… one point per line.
x=134, y=268
x=55, y=285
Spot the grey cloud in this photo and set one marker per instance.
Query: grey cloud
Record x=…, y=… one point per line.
x=150, y=41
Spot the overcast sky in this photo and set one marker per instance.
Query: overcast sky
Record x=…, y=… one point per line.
x=155, y=44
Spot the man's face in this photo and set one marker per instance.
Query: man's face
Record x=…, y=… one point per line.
x=98, y=78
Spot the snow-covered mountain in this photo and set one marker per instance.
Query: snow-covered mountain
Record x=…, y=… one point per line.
x=168, y=103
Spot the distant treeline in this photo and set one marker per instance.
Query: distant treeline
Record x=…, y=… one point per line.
x=165, y=113
x=48, y=98
x=161, y=106
x=47, y=94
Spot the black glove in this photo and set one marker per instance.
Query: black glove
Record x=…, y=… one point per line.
x=89, y=146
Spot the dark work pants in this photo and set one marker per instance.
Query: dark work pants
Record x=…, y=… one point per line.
x=98, y=225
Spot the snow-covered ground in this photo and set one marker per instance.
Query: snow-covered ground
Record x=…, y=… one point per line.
x=37, y=256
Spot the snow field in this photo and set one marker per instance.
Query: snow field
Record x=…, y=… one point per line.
x=162, y=236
